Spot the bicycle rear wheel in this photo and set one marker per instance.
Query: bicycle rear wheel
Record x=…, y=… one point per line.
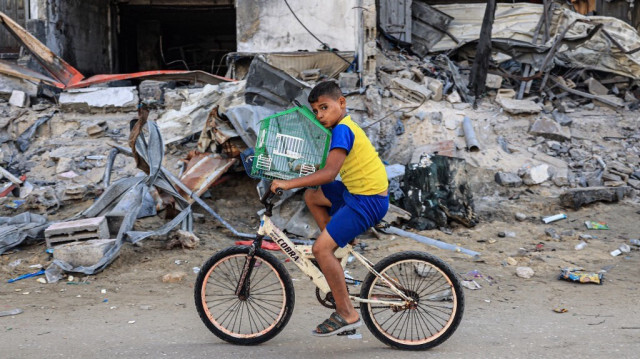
x=251, y=320
x=438, y=296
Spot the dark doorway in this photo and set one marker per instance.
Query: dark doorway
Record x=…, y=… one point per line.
x=175, y=37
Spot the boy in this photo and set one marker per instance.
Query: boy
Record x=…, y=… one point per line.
x=344, y=209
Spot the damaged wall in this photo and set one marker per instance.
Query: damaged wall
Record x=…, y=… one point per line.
x=76, y=30
x=267, y=26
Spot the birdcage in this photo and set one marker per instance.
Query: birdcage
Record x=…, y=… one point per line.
x=290, y=144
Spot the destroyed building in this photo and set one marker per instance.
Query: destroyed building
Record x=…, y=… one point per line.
x=199, y=75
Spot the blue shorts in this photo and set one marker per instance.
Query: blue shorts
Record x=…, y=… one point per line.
x=352, y=214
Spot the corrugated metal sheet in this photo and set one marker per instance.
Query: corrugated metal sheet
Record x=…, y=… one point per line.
x=518, y=22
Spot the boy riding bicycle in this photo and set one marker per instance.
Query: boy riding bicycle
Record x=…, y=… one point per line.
x=344, y=209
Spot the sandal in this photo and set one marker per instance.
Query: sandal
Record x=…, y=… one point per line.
x=335, y=325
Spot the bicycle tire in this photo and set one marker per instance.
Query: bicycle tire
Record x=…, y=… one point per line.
x=432, y=307
x=220, y=274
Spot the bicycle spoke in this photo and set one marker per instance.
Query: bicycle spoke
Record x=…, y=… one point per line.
x=427, y=317
x=238, y=316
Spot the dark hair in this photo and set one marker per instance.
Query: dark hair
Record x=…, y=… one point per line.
x=325, y=88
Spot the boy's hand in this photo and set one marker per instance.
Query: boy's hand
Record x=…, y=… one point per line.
x=284, y=185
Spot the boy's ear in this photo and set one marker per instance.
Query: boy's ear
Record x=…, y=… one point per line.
x=343, y=102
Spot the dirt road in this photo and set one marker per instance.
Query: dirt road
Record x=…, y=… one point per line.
x=509, y=317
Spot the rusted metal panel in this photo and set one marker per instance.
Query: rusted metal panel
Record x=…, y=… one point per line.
x=160, y=75
x=203, y=170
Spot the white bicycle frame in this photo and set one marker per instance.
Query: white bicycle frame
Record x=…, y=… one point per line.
x=301, y=256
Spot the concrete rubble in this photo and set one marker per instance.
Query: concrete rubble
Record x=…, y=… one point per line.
x=540, y=127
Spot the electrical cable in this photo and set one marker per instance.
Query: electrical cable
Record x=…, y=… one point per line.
x=324, y=44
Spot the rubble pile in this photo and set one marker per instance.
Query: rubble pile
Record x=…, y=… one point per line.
x=548, y=121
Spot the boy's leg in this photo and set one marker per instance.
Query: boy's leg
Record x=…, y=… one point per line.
x=318, y=204
x=323, y=250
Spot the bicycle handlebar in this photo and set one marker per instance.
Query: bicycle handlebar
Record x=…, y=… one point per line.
x=268, y=195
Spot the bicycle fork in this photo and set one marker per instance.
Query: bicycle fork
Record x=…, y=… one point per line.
x=242, y=289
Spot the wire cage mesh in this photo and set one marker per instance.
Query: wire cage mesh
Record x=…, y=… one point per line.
x=290, y=144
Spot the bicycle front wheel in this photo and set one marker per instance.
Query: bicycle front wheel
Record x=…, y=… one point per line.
x=438, y=301
x=250, y=319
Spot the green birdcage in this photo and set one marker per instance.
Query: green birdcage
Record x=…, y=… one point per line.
x=290, y=144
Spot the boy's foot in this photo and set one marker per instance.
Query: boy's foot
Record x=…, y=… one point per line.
x=335, y=325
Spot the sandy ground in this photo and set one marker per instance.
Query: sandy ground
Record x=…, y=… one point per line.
x=509, y=317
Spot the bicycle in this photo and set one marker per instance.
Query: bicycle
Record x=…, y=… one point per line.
x=244, y=295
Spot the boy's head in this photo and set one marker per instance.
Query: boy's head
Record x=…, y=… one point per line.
x=327, y=103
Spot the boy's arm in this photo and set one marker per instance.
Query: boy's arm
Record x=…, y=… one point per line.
x=325, y=175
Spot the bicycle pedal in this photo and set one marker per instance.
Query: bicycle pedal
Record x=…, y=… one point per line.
x=348, y=332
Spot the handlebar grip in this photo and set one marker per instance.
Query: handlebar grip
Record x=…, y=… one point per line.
x=268, y=194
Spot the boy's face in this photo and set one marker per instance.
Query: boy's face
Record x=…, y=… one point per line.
x=329, y=111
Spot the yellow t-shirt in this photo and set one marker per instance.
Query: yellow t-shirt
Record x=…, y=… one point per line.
x=362, y=171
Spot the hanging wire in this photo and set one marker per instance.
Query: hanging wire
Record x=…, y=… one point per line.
x=324, y=44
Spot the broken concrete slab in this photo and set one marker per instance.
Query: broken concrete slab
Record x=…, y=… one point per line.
x=82, y=229
x=508, y=179
x=64, y=165
x=517, y=107
x=620, y=167
x=550, y=129
x=561, y=118
x=105, y=99
x=596, y=88
x=85, y=253
x=579, y=154
x=614, y=183
x=494, y=81
x=533, y=175
x=8, y=84
x=611, y=101
x=153, y=91
x=435, y=86
x=454, y=97
x=578, y=197
x=634, y=183
x=409, y=91
x=19, y=99
x=348, y=80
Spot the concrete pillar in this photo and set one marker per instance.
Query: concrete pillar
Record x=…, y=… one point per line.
x=368, y=38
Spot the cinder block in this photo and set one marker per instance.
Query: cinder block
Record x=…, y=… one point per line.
x=82, y=229
x=86, y=253
x=19, y=99
x=348, y=80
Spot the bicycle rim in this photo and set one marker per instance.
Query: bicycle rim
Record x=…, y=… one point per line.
x=432, y=315
x=249, y=318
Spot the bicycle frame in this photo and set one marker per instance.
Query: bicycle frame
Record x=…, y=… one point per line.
x=301, y=255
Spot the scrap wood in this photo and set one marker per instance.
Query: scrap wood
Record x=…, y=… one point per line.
x=8, y=189
x=10, y=176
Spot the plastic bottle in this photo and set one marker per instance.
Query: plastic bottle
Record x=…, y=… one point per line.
x=635, y=242
x=581, y=245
